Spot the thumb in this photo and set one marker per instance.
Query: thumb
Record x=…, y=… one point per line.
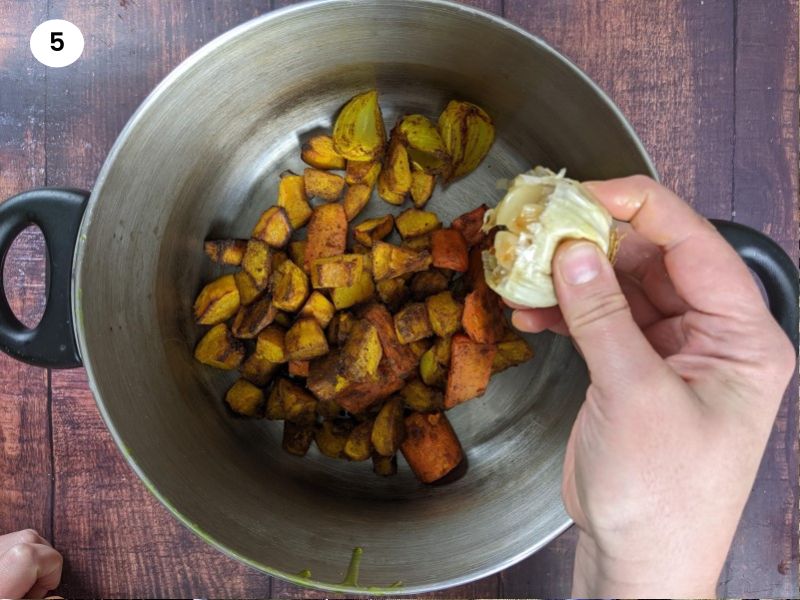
x=599, y=319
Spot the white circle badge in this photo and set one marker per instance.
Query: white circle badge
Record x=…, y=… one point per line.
x=56, y=43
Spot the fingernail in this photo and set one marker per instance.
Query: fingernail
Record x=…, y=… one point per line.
x=579, y=263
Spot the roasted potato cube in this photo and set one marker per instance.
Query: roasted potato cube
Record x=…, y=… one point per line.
x=248, y=291
x=225, y=252
x=362, y=172
x=305, y=340
x=258, y=370
x=449, y=250
x=468, y=133
x=297, y=438
x=512, y=350
x=401, y=360
x=289, y=287
x=388, y=430
x=470, y=369
x=320, y=153
x=372, y=230
x=299, y=368
x=421, y=187
x=271, y=344
x=394, y=180
x=426, y=149
x=257, y=262
x=389, y=261
x=339, y=328
x=385, y=466
x=274, y=410
x=323, y=376
x=362, y=352
x=359, y=444
x=274, y=227
x=428, y=283
x=321, y=184
x=251, y=320
x=297, y=252
x=278, y=258
x=433, y=364
x=392, y=292
x=431, y=447
x=358, y=133
x=218, y=348
x=412, y=323
x=244, y=398
x=283, y=319
x=470, y=224
x=318, y=307
x=413, y=223
x=444, y=313
x=355, y=199
x=359, y=396
x=362, y=291
x=327, y=233
x=331, y=438
x=422, y=242
x=292, y=198
x=328, y=409
x=483, y=317
x=218, y=301
x=421, y=398
x=292, y=403
x=420, y=347
x=337, y=271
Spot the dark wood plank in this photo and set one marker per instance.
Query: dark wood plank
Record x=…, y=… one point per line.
x=763, y=559
x=25, y=447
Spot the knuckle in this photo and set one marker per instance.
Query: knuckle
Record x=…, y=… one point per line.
x=21, y=554
x=28, y=536
x=600, y=307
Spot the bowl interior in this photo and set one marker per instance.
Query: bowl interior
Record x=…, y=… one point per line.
x=201, y=160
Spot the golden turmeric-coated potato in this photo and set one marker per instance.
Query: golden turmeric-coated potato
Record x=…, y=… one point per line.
x=271, y=344
x=388, y=430
x=355, y=199
x=273, y=227
x=336, y=271
x=444, y=313
x=385, y=466
x=372, y=230
x=468, y=134
x=431, y=447
x=421, y=187
x=219, y=349
x=426, y=148
x=292, y=198
x=258, y=370
x=318, y=307
x=252, y=319
x=320, y=153
x=327, y=233
x=218, y=301
x=362, y=172
x=394, y=180
x=512, y=350
x=278, y=258
x=339, y=328
x=323, y=375
x=297, y=438
x=299, y=368
x=389, y=261
x=359, y=445
x=422, y=242
x=291, y=402
x=289, y=286
x=283, y=319
x=362, y=352
x=306, y=340
x=433, y=365
x=244, y=398
x=321, y=184
x=297, y=252
x=420, y=347
x=411, y=323
x=331, y=438
x=420, y=397
x=225, y=252
x=358, y=133
x=248, y=290
x=413, y=223
x=392, y=292
x=427, y=283
x=257, y=262
x=361, y=291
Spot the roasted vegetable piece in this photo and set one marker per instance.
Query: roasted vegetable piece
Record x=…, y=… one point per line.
x=433, y=364
x=401, y=360
x=384, y=465
x=318, y=307
x=468, y=134
x=292, y=198
x=359, y=445
x=306, y=340
x=422, y=242
x=274, y=227
x=251, y=320
x=323, y=376
x=299, y=368
x=327, y=233
x=358, y=133
x=244, y=398
x=218, y=348
x=362, y=352
x=389, y=261
x=358, y=396
x=297, y=252
x=339, y=328
x=274, y=410
x=428, y=283
x=362, y=291
x=431, y=447
x=388, y=430
x=257, y=262
x=283, y=319
x=218, y=301
x=483, y=317
x=369, y=231
x=425, y=146
x=392, y=292
x=512, y=350
x=225, y=252
x=355, y=199
x=328, y=409
x=449, y=250
x=421, y=187
x=321, y=184
x=420, y=397
x=470, y=369
x=331, y=438
x=271, y=344
x=414, y=222
x=258, y=370
x=289, y=286
x=337, y=271
x=420, y=347
x=292, y=403
x=278, y=258
x=444, y=313
x=320, y=153
x=297, y=438
x=470, y=223
x=248, y=291
x=362, y=172
x=412, y=323
x=394, y=180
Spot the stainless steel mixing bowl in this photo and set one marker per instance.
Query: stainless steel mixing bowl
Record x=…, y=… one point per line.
x=201, y=159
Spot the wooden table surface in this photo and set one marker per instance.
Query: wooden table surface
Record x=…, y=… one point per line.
x=711, y=87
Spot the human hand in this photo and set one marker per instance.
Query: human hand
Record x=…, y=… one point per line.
x=29, y=566
x=687, y=371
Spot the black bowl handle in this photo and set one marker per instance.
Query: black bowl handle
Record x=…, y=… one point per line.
x=58, y=214
x=777, y=272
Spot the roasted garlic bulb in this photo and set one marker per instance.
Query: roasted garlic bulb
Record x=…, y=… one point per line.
x=540, y=210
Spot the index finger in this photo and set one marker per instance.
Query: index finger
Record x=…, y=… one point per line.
x=706, y=271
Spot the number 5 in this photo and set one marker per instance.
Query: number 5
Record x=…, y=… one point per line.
x=56, y=41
